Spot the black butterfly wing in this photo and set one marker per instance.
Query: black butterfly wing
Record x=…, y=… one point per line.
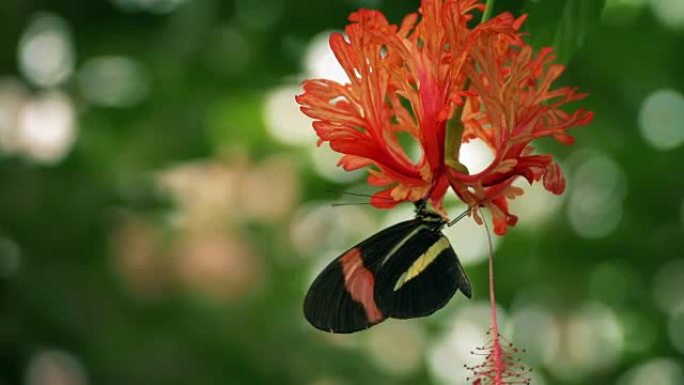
x=341, y=299
x=420, y=277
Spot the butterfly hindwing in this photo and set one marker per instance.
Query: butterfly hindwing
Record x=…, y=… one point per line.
x=420, y=277
x=341, y=299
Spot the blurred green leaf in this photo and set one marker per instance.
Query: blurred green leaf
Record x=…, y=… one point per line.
x=562, y=24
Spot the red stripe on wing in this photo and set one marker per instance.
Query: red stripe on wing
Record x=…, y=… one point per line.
x=360, y=282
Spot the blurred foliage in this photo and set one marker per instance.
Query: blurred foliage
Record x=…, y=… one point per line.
x=66, y=283
x=563, y=25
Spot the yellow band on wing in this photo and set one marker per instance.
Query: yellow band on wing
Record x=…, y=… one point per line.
x=422, y=262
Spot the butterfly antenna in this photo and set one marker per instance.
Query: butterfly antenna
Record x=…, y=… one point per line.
x=357, y=194
x=465, y=213
x=460, y=216
x=349, y=204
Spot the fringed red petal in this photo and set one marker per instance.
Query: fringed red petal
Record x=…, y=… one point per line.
x=415, y=78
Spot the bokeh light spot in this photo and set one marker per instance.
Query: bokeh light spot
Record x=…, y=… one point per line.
x=113, y=81
x=537, y=295
x=47, y=128
x=13, y=95
x=402, y=212
x=206, y=192
x=317, y=227
x=46, y=54
x=536, y=206
x=594, y=338
x=229, y=52
x=669, y=12
x=466, y=331
x=598, y=178
x=10, y=258
x=152, y=6
x=218, y=265
x=259, y=14
x=681, y=213
x=212, y=193
x=321, y=63
x=668, y=286
x=284, y=121
x=328, y=381
x=639, y=330
x=469, y=240
x=138, y=258
x=662, y=371
x=397, y=347
x=661, y=117
x=475, y=155
x=598, y=190
x=447, y=358
x=675, y=328
x=537, y=378
x=325, y=160
x=622, y=12
x=592, y=342
x=257, y=198
x=55, y=367
x=536, y=329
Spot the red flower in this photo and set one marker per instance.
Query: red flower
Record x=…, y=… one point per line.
x=442, y=83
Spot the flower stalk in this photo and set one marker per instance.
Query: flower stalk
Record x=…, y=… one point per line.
x=500, y=366
x=496, y=344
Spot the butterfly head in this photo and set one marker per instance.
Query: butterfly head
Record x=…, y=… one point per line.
x=428, y=216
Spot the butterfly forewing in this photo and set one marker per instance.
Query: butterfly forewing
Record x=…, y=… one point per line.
x=420, y=277
x=342, y=298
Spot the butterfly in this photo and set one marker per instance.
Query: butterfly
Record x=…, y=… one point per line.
x=407, y=270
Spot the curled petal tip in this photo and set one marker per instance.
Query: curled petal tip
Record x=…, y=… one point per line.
x=436, y=67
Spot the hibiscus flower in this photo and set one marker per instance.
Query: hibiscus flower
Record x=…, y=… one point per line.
x=441, y=81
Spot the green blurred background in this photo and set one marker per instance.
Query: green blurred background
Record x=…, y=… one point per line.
x=163, y=205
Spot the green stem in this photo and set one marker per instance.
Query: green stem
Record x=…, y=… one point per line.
x=454, y=137
x=454, y=128
x=488, y=11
